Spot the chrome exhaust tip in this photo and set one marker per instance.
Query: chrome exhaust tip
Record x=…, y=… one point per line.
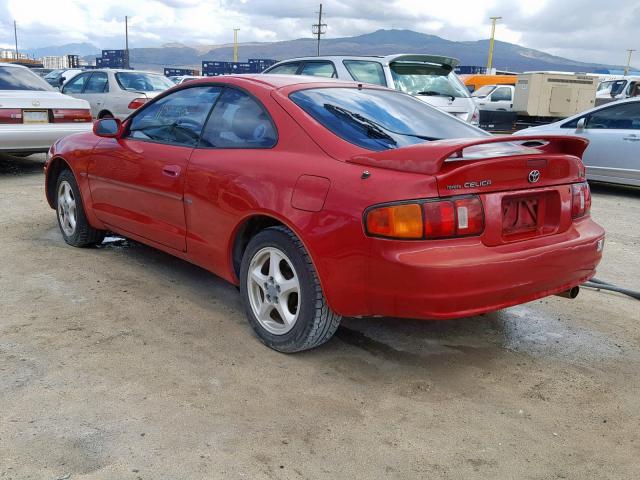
x=571, y=293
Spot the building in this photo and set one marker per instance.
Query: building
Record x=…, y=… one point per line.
x=62, y=61
x=11, y=55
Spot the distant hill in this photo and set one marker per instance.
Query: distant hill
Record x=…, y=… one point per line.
x=82, y=49
x=507, y=56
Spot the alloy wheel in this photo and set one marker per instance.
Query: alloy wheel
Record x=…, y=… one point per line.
x=67, y=208
x=274, y=290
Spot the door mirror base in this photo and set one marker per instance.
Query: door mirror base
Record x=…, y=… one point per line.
x=108, y=128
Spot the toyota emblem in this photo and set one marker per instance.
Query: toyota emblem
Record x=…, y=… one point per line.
x=534, y=176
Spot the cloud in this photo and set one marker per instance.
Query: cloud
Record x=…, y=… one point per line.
x=578, y=29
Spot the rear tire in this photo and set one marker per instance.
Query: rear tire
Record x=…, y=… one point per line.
x=72, y=221
x=105, y=115
x=282, y=295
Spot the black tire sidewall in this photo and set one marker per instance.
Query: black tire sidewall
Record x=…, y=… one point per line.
x=297, y=336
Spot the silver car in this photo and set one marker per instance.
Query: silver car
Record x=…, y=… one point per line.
x=428, y=77
x=116, y=93
x=613, y=131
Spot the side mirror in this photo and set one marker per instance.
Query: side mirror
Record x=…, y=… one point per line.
x=582, y=123
x=108, y=128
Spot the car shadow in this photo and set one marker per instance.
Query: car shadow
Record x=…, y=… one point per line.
x=16, y=166
x=615, y=189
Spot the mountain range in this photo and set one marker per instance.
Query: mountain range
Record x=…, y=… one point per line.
x=507, y=56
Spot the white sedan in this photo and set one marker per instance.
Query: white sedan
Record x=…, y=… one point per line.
x=33, y=115
x=613, y=131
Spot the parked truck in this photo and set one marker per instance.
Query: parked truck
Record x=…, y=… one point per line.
x=537, y=98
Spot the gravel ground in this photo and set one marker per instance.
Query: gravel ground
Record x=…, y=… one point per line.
x=121, y=362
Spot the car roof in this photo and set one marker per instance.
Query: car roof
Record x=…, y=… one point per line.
x=408, y=57
x=12, y=65
x=276, y=81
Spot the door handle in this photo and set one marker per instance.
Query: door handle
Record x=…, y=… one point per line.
x=171, y=170
x=632, y=138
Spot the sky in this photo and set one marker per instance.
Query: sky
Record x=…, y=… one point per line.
x=586, y=30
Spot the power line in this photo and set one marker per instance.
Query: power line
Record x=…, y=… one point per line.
x=319, y=29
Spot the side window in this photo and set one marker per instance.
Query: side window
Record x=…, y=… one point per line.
x=98, y=83
x=366, y=71
x=319, y=69
x=571, y=123
x=501, y=93
x=238, y=121
x=176, y=119
x=286, y=69
x=76, y=84
x=625, y=116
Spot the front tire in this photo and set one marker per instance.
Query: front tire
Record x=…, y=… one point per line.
x=282, y=295
x=72, y=221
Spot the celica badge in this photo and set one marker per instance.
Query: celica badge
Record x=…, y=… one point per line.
x=534, y=176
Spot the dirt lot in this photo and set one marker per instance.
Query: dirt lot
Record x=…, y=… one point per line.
x=123, y=362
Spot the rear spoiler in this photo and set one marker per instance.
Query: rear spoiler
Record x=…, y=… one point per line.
x=428, y=158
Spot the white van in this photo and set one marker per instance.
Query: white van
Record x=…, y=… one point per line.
x=428, y=77
x=616, y=89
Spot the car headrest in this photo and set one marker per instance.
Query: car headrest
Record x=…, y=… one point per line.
x=249, y=123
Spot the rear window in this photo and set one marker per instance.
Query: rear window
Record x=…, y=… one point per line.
x=14, y=78
x=380, y=119
x=427, y=79
x=143, y=82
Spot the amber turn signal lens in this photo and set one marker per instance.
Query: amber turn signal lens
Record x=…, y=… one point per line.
x=396, y=221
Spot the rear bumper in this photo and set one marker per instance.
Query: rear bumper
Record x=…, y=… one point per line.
x=37, y=138
x=460, y=278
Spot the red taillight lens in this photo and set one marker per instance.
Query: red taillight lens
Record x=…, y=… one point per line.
x=453, y=218
x=137, y=103
x=457, y=217
x=10, y=116
x=71, y=115
x=580, y=199
x=440, y=219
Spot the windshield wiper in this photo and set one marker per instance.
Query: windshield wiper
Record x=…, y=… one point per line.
x=433, y=93
x=372, y=128
x=371, y=124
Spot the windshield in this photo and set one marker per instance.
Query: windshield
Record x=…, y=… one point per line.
x=427, y=79
x=484, y=91
x=12, y=78
x=380, y=119
x=143, y=82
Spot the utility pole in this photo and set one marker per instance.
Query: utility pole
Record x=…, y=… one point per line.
x=626, y=70
x=126, y=41
x=319, y=29
x=15, y=35
x=493, y=35
x=235, y=45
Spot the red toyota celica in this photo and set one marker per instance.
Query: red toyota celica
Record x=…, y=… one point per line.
x=324, y=199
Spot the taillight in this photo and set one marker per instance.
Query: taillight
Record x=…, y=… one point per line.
x=71, y=115
x=457, y=217
x=10, y=115
x=396, y=221
x=137, y=103
x=580, y=199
